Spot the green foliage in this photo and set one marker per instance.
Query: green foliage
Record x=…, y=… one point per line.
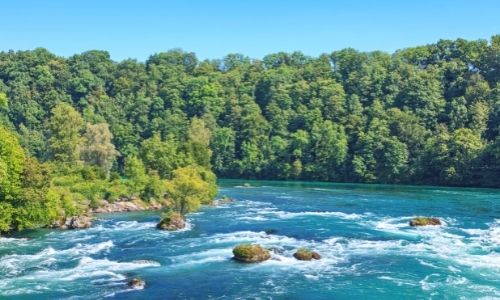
x=135, y=172
x=6, y=211
x=427, y=114
x=12, y=159
x=98, y=149
x=190, y=187
x=163, y=156
x=65, y=125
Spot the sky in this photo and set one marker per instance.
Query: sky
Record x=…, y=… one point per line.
x=214, y=28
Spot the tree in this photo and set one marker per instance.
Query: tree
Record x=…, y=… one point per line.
x=190, y=187
x=161, y=156
x=65, y=126
x=38, y=204
x=346, y=116
x=135, y=172
x=330, y=148
x=12, y=159
x=224, y=147
x=198, y=142
x=98, y=149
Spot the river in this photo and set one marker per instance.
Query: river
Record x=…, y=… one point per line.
x=362, y=232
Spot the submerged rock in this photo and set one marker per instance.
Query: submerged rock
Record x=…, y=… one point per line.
x=271, y=231
x=137, y=283
x=424, y=221
x=224, y=200
x=250, y=253
x=171, y=222
x=306, y=254
x=145, y=262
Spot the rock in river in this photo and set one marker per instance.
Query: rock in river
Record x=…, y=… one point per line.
x=424, y=221
x=136, y=283
x=172, y=221
x=79, y=222
x=306, y=254
x=250, y=253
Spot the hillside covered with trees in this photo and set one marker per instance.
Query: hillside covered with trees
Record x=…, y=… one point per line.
x=79, y=129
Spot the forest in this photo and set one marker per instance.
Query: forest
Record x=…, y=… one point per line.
x=79, y=129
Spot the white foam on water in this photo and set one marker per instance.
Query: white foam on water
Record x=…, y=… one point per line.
x=17, y=263
x=253, y=237
x=12, y=240
x=255, y=218
x=251, y=203
x=434, y=242
x=203, y=257
x=320, y=189
x=426, y=284
x=87, y=267
x=132, y=225
x=336, y=214
x=427, y=264
x=398, y=281
x=392, y=225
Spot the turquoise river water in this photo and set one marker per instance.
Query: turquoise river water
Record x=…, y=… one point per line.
x=362, y=232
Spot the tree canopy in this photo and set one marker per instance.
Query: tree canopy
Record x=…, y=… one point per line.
x=104, y=129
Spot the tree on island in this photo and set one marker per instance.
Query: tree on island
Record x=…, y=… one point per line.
x=189, y=188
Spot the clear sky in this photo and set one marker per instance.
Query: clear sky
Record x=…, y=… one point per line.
x=213, y=28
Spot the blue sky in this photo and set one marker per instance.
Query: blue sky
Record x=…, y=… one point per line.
x=213, y=28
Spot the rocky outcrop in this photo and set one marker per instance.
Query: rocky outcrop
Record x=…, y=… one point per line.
x=424, y=221
x=126, y=205
x=306, y=254
x=74, y=222
x=137, y=283
x=250, y=253
x=171, y=222
x=80, y=222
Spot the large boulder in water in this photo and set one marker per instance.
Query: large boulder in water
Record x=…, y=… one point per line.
x=172, y=221
x=78, y=222
x=306, y=254
x=136, y=283
x=250, y=253
x=424, y=221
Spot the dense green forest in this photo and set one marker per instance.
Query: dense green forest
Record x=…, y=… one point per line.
x=79, y=129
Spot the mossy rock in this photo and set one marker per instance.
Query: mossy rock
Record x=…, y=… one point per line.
x=250, y=253
x=172, y=221
x=424, y=221
x=306, y=254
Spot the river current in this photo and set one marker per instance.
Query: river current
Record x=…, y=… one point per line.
x=368, y=249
